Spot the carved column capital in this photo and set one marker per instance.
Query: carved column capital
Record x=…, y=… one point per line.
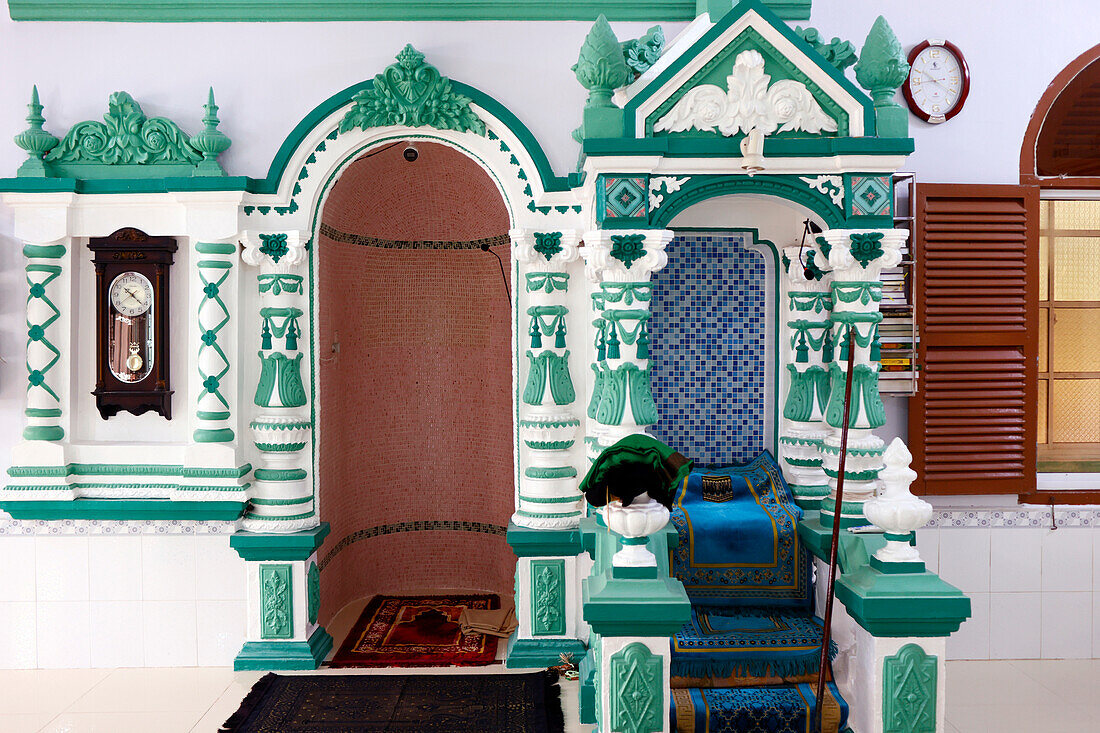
x=860, y=255
x=545, y=250
x=625, y=255
x=275, y=251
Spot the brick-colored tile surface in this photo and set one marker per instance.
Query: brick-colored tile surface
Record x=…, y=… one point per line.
x=415, y=408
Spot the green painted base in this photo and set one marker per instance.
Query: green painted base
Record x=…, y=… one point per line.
x=808, y=503
x=295, y=546
x=855, y=549
x=123, y=509
x=646, y=607
x=541, y=653
x=271, y=655
x=902, y=604
x=527, y=542
x=851, y=513
x=634, y=573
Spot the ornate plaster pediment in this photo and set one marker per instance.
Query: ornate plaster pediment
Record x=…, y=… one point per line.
x=750, y=102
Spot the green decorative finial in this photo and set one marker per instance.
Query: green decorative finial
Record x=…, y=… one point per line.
x=881, y=70
x=36, y=141
x=210, y=141
x=601, y=69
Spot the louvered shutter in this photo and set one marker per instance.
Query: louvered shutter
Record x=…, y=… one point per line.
x=972, y=426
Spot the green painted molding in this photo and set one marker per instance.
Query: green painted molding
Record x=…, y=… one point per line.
x=671, y=146
x=636, y=690
x=548, y=597
x=255, y=547
x=313, y=592
x=273, y=655
x=276, y=602
x=909, y=691
x=541, y=653
x=526, y=542
x=124, y=509
x=129, y=469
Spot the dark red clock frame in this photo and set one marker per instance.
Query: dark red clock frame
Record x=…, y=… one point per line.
x=132, y=250
x=963, y=69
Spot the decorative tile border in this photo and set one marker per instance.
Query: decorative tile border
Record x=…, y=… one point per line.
x=1011, y=518
x=423, y=525
x=24, y=527
x=500, y=240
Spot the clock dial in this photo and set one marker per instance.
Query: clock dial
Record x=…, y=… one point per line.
x=938, y=81
x=131, y=294
x=130, y=327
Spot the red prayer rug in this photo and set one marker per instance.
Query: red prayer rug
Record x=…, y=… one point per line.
x=417, y=631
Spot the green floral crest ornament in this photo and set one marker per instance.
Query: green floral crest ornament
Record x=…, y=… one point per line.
x=641, y=53
x=866, y=246
x=126, y=136
x=547, y=244
x=627, y=248
x=840, y=54
x=412, y=92
x=274, y=246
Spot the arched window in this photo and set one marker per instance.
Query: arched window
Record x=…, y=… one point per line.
x=1061, y=154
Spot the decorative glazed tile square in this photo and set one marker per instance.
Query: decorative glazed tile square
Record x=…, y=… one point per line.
x=709, y=348
x=871, y=196
x=622, y=198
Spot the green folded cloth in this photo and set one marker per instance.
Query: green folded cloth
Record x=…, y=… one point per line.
x=637, y=464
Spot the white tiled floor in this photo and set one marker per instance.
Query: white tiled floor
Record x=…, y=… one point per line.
x=1053, y=696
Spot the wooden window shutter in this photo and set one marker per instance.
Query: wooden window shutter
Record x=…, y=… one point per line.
x=972, y=423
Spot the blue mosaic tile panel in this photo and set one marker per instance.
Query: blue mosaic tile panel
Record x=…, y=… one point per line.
x=708, y=348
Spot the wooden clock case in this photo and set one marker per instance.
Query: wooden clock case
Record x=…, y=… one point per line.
x=132, y=250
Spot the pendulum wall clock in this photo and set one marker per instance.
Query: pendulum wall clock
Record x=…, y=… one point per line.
x=132, y=340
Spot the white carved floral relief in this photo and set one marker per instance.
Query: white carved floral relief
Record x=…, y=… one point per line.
x=750, y=102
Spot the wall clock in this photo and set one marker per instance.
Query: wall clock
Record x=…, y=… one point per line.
x=132, y=340
x=938, y=81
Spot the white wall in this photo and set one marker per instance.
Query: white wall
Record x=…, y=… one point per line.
x=137, y=597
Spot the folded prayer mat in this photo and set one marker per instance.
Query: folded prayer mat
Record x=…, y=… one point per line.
x=492, y=622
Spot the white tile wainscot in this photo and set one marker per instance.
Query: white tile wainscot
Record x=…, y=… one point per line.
x=119, y=594
x=1035, y=591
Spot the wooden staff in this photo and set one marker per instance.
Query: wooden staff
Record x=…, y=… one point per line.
x=838, y=510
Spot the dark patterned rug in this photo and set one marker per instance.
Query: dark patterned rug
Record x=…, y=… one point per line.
x=370, y=703
x=417, y=631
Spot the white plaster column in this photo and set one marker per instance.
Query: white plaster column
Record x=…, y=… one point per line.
x=282, y=498
x=549, y=418
x=857, y=258
x=807, y=349
x=620, y=265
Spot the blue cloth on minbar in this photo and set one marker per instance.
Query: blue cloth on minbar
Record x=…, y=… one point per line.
x=785, y=709
x=744, y=642
x=745, y=551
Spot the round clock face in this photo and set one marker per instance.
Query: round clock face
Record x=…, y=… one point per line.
x=938, y=82
x=131, y=294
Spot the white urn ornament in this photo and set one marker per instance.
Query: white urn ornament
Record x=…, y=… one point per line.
x=635, y=523
x=895, y=509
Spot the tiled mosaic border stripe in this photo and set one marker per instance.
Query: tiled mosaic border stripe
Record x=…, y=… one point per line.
x=424, y=525
x=1011, y=518
x=100, y=527
x=500, y=240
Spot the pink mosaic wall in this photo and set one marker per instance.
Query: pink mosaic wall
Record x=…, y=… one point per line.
x=416, y=413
